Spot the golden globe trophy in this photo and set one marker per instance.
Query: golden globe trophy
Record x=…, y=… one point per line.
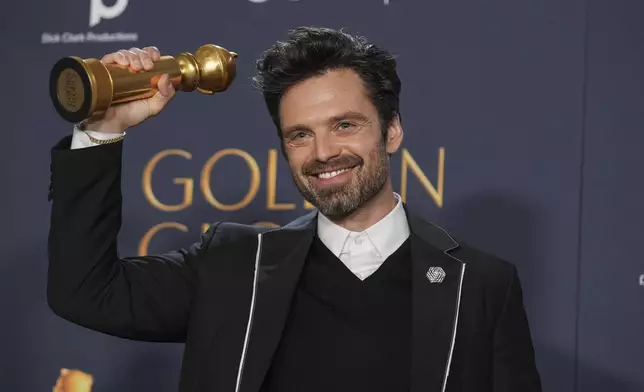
x=83, y=88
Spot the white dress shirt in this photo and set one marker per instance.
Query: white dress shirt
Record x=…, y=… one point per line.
x=364, y=252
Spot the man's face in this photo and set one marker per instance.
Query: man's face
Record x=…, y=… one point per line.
x=333, y=142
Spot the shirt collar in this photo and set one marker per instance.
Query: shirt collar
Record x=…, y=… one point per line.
x=386, y=235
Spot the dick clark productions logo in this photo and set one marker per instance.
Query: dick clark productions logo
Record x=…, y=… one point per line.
x=98, y=12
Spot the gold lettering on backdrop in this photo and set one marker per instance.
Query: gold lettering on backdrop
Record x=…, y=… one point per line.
x=271, y=185
x=186, y=182
x=266, y=224
x=145, y=241
x=254, y=179
x=408, y=162
x=206, y=226
x=144, y=244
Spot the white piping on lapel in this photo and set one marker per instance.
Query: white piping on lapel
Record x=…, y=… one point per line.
x=458, y=308
x=242, y=361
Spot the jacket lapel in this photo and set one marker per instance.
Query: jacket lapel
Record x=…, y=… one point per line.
x=436, y=300
x=436, y=288
x=282, y=258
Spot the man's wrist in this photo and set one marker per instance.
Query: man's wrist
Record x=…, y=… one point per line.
x=104, y=138
x=101, y=127
x=84, y=139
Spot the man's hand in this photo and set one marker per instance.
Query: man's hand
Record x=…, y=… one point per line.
x=118, y=118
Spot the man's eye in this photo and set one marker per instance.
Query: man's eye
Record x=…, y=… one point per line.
x=345, y=125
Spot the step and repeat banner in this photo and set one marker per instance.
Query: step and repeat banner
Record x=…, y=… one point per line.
x=523, y=129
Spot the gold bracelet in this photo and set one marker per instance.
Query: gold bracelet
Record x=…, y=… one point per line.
x=82, y=126
x=104, y=141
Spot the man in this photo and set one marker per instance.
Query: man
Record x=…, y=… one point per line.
x=359, y=295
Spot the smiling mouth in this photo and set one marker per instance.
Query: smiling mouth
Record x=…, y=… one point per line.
x=331, y=174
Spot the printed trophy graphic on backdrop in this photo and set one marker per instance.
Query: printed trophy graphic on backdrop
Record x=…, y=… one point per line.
x=82, y=88
x=73, y=381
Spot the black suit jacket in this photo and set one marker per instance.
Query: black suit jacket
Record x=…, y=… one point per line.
x=228, y=295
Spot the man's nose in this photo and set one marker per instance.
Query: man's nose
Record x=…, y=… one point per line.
x=325, y=149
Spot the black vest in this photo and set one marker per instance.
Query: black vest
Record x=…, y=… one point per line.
x=344, y=334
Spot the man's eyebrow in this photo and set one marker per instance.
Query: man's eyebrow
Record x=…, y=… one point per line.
x=350, y=115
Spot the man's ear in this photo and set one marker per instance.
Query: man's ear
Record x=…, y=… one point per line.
x=394, y=135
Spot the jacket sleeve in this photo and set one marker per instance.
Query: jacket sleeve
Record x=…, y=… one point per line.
x=514, y=357
x=143, y=298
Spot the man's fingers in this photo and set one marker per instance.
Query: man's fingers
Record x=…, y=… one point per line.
x=144, y=58
x=115, y=58
x=154, y=53
x=133, y=60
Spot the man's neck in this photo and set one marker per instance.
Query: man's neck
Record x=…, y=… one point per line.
x=369, y=213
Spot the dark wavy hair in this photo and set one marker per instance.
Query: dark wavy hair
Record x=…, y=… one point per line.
x=312, y=51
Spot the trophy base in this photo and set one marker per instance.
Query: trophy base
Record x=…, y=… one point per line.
x=70, y=89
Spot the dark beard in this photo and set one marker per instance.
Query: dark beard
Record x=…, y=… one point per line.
x=347, y=198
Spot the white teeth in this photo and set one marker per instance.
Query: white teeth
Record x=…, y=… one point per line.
x=332, y=174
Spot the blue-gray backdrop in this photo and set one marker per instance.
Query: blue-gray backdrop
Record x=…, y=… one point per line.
x=523, y=124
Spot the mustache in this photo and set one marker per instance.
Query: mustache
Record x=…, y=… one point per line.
x=316, y=167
